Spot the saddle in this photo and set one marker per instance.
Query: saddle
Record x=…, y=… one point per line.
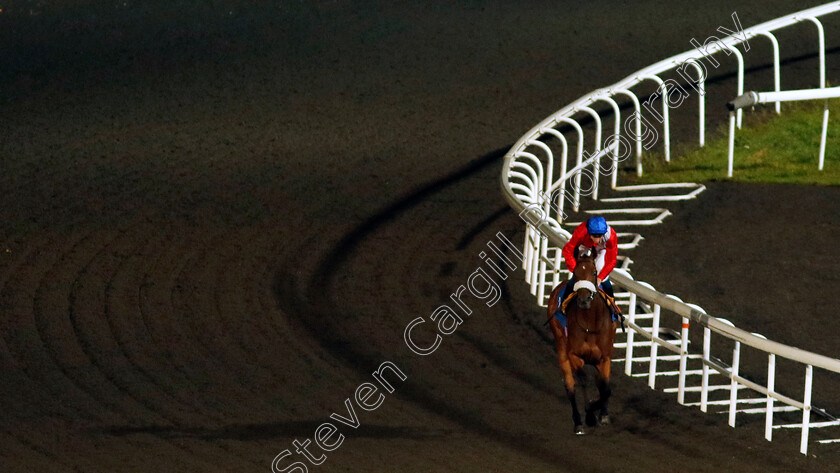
x=615, y=311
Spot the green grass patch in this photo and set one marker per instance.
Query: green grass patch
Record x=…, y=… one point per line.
x=768, y=148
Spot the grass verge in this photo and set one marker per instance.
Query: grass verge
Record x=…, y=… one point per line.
x=768, y=148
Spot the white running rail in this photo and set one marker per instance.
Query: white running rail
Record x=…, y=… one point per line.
x=529, y=185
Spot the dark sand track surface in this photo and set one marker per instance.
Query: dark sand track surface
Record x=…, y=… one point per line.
x=219, y=217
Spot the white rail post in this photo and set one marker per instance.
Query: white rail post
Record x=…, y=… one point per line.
x=564, y=159
x=654, y=347
x=537, y=244
x=542, y=272
x=701, y=95
x=616, y=134
x=558, y=262
x=628, y=351
x=776, y=73
x=771, y=383
x=683, y=361
x=536, y=241
x=733, y=387
x=531, y=236
x=740, y=113
x=666, y=126
x=740, y=57
x=541, y=267
x=806, y=411
x=821, y=34
x=531, y=232
x=701, y=104
x=684, y=355
x=576, y=126
x=546, y=209
x=638, y=112
x=549, y=169
x=597, y=164
x=704, y=383
x=526, y=248
x=526, y=261
x=731, y=143
x=771, y=387
x=823, y=136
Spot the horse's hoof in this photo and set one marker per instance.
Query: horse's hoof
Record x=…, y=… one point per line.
x=605, y=419
x=579, y=430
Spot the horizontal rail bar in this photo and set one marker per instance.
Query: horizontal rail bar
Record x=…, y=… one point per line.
x=753, y=98
x=810, y=424
x=657, y=198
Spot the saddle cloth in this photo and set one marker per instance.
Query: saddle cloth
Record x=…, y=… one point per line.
x=560, y=313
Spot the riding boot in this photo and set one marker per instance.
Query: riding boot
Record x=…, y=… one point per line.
x=607, y=286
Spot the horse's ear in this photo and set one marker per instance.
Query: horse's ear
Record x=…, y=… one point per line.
x=583, y=252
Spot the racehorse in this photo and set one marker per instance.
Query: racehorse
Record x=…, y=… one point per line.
x=587, y=339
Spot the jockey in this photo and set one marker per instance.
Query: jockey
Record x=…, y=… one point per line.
x=593, y=233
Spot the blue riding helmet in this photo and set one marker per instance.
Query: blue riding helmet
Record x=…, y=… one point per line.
x=596, y=226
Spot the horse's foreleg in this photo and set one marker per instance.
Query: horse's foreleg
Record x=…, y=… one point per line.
x=569, y=378
x=604, y=390
x=567, y=369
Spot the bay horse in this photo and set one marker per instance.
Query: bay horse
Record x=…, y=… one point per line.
x=587, y=339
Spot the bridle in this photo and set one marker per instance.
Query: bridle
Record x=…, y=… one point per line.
x=590, y=286
x=583, y=284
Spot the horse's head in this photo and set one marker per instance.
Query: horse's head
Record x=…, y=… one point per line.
x=586, y=275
